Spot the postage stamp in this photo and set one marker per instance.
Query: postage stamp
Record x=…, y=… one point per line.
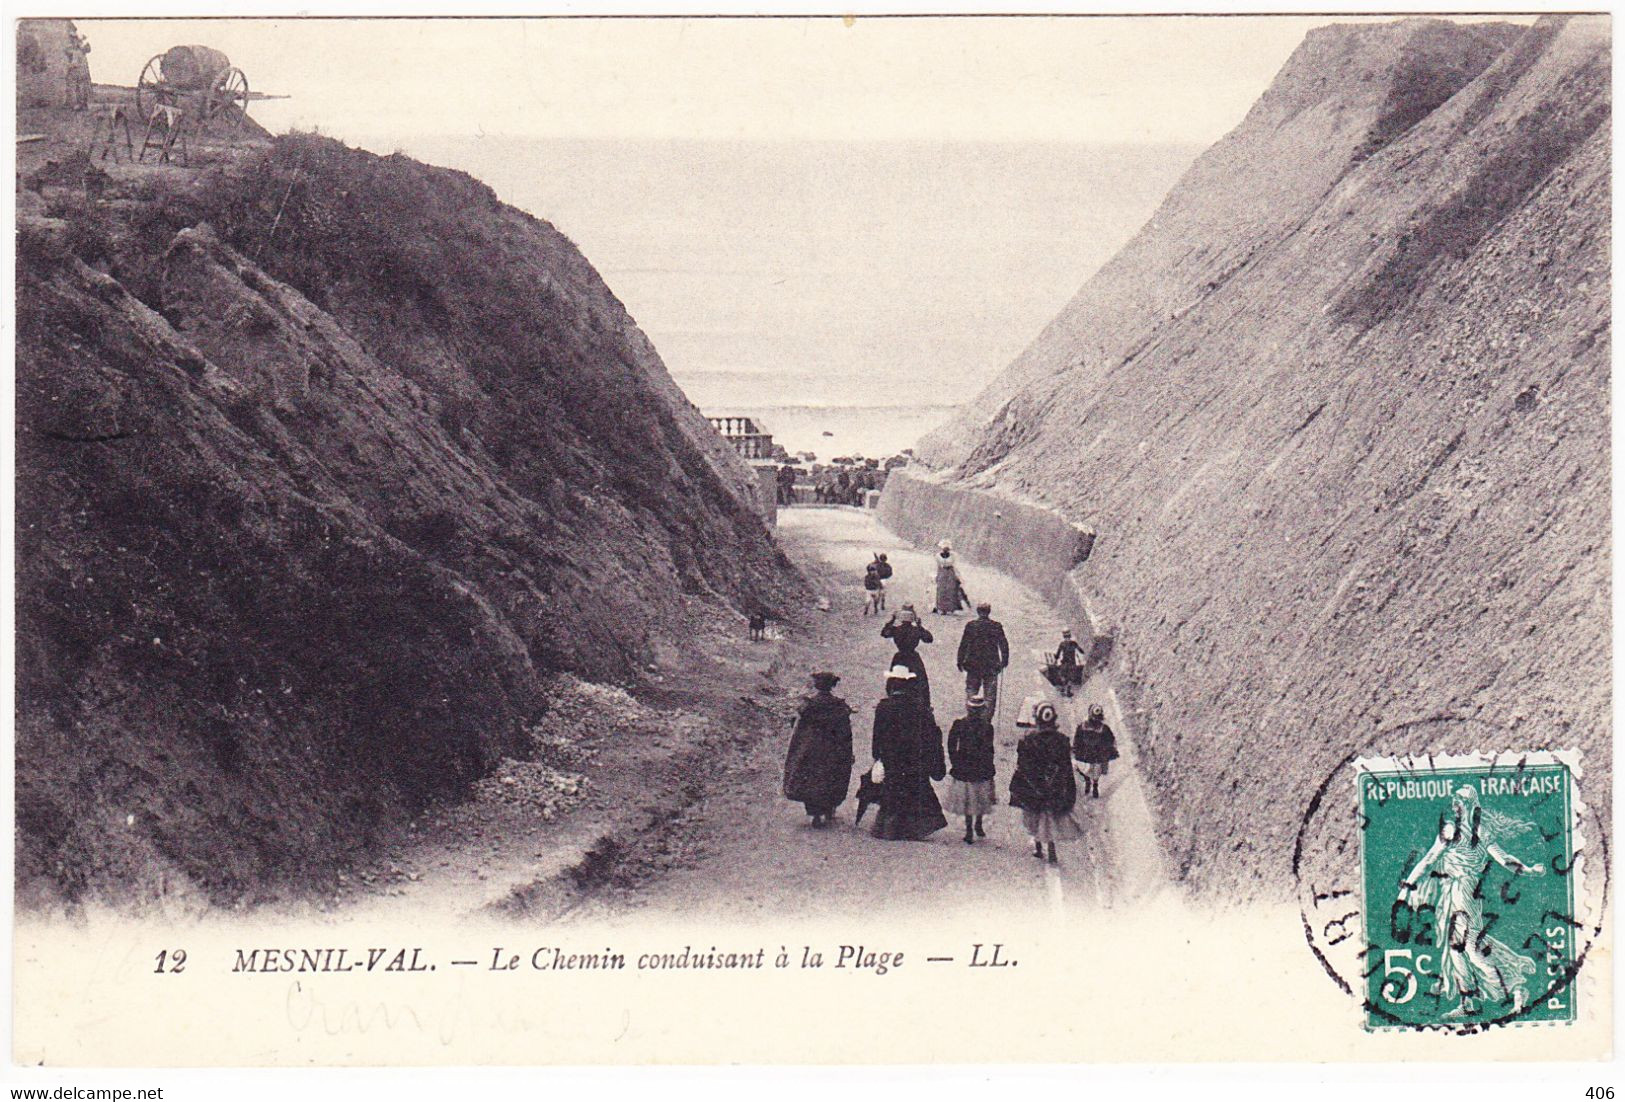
x=1471, y=871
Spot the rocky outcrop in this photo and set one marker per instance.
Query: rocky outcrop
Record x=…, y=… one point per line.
x=324, y=461
x=1339, y=420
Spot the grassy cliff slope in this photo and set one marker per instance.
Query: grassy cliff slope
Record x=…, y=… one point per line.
x=325, y=460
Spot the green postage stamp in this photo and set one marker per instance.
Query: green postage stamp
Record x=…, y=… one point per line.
x=1471, y=869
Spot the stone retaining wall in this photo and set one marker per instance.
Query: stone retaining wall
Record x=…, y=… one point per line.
x=1035, y=545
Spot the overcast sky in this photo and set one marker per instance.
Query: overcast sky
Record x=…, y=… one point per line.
x=1118, y=79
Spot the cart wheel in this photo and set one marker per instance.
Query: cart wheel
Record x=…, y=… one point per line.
x=228, y=99
x=151, y=91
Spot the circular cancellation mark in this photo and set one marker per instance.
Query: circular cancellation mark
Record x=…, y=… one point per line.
x=1453, y=891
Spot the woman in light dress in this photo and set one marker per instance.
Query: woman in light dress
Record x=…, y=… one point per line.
x=950, y=593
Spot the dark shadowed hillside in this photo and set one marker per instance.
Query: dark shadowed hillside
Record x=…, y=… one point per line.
x=324, y=460
x=1339, y=421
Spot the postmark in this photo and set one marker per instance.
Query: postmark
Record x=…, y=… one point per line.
x=1453, y=891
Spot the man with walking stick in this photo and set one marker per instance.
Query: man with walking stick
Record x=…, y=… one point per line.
x=983, y=654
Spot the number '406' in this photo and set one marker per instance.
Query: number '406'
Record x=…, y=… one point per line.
x=1600, y=1093
x=174, y=960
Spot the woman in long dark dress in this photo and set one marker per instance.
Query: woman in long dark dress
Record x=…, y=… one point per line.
x=907, y=633
x=908, y=745
x=818, y=766
x=1043, y=785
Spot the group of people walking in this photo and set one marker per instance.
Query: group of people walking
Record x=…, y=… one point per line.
x=842, y=488
x=835, y=486
x=910, y=752
x=950, y=591
x=874, y=585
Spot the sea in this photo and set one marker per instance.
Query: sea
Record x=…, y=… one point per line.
x=847, y=295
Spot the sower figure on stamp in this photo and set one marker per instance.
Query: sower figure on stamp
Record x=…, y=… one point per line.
x=984, y=652
x=1473, y=965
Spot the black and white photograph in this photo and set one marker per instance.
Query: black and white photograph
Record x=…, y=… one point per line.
x=819, y=538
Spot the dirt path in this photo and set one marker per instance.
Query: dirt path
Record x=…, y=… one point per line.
x=678, y=812
x=761, y=860
x=621, y=804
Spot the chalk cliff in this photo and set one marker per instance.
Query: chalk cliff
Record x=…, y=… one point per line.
x=1338, y=421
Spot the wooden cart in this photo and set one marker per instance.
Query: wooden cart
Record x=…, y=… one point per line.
x=199, y=81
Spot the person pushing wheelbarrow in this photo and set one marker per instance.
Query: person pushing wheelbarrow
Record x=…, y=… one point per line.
x=1064, y=669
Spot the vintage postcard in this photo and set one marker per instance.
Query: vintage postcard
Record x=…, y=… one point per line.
x=828, y=539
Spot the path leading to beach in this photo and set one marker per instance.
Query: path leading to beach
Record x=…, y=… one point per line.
x=681, y=815
x=760, y=859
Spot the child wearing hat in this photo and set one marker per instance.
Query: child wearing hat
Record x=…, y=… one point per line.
x=970, y=752
x=874, y=591
x=1095, y=746
x=1044, y=787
